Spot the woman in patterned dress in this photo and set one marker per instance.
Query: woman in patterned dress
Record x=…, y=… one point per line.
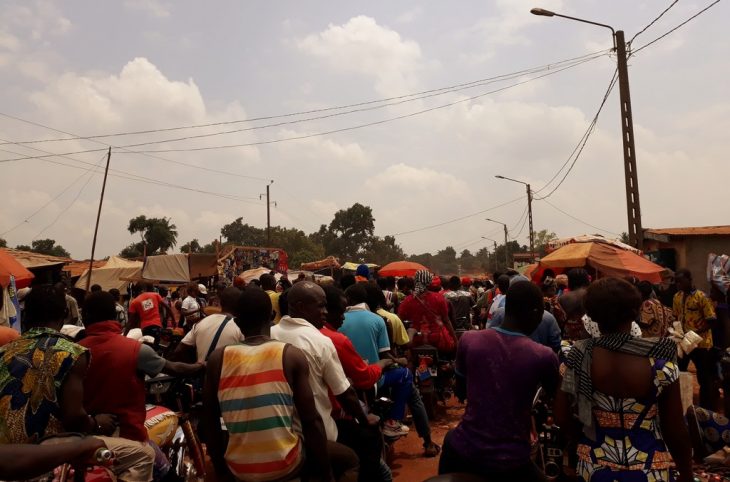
x=625, y=393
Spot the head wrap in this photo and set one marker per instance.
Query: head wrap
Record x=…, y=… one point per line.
x=422, y=280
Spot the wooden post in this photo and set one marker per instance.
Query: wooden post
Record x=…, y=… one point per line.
x=98, y=216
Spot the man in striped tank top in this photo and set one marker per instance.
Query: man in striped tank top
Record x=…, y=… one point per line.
x=260, y=389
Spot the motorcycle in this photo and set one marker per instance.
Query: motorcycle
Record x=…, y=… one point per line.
x=171, y=420
x=547, y=441
x=99, y=472
x=434, y=377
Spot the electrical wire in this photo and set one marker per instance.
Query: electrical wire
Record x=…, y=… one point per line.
x=172, y=161
x=76, y=198
x=651, y=23
x=368, y=124
x=336, y=114
x=461, y=218
x=423, y=94
x=677, y=27
x=519, y=220
x=575, y=155
x=49, y=202
x=578, y=219
x=134, y=177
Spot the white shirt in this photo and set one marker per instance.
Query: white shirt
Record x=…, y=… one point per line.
x=325, y=369
x=202, y=334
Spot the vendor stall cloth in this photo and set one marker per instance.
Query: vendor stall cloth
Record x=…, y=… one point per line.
x=244, y=259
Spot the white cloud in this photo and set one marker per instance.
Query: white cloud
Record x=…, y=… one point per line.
x=506, y=27
x=410, y=16
x=154, y=8
x=322, y=150
x=363, y=47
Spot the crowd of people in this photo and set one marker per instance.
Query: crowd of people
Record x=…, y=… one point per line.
x=290, y=373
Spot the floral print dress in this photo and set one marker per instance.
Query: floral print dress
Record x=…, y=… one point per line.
x=628, y=446
x=32, y=370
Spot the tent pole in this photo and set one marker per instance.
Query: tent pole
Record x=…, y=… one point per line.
x=98, y=216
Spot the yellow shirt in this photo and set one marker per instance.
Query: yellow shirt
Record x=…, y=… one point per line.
x=400, y=335
x=275, y=305
x=693, y=310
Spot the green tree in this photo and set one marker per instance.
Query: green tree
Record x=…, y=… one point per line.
x=542, y=238
x=158, y=235
x=624, y=238
x=191, y=247
x=47, y=246
x=349, y=234
x=382, y=251
x=468, y=261
x=24, y=247
x=3, y=243
x=299, y=247
x=444, y=262
x=242, y=234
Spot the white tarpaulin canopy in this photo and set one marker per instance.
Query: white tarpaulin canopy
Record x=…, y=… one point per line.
x=168, y=267
x=108, y=276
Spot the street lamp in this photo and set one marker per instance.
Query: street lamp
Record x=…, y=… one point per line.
x=633, y=206
x=506, y=248
x=529, y=212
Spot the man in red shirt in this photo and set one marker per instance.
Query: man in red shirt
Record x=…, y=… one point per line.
x=365, y=441
x=144, y=312
x=427, y=311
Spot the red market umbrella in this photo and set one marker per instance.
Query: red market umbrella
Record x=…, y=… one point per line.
x=607, y=259
x=9, y=266
x=401, y=268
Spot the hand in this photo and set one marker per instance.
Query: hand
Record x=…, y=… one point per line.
x=201, y=366
x=402, y=361
x=106, y=423
x=385, y=363
x=88, y=447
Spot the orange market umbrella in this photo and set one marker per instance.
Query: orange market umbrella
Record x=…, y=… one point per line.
x=401, y=268
x=607, y=259
x=9, y=266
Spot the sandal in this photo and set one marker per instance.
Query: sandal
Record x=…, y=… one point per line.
x=431, y=450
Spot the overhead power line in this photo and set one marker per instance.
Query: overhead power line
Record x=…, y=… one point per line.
x=172, y=161
x=575, y=155
x=648, y=26
x=73, y=201
x=677, y=27
x=578, y=219
x=368, y=124
x=385, y=102
x=460, y=218
x=134, y=177
x=61, y=193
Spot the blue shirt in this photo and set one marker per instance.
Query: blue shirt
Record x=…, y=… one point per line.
x=547, y=332
x=367, y=332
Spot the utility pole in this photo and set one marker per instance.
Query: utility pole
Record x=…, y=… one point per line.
x=506, y=246
x=268, y=212
x=98, y=216
x=633, y=206
x=529, y=213
x=532, y=231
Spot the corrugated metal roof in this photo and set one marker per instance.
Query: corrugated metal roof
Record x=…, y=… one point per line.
x=35, y=260
x=691, y=231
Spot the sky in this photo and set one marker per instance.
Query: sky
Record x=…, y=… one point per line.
x=489, y=105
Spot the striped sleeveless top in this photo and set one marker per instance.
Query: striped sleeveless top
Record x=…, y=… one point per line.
x=257, y=407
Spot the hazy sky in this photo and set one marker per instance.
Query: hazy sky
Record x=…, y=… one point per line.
x=91, y=68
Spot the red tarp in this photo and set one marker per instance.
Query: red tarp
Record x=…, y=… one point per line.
x=401, y=268
x=9, y=266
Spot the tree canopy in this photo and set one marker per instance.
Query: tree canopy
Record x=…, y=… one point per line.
x=45, y=246
x=157, y=235
x=350, y=236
